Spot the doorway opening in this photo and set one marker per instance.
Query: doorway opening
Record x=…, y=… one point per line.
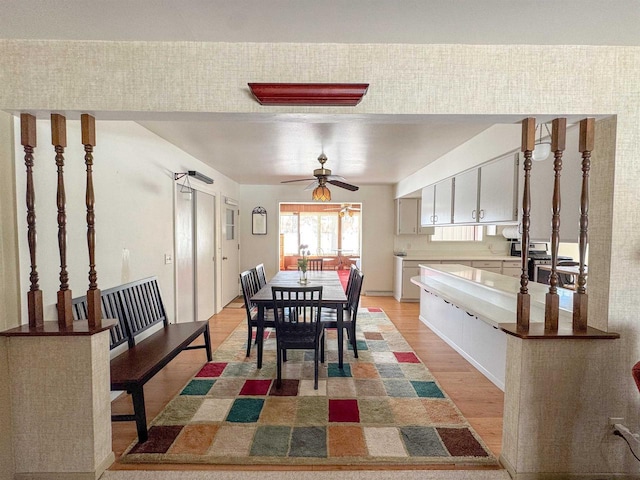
x=331, y=231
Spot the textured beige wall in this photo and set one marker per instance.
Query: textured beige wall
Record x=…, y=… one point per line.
x=9, y=313
x=405, y=79
x=61, y=406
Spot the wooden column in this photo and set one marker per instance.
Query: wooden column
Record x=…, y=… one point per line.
x=34, y=296
x=59, y=141
x=552, y=300
x=94, y=313
x=524, y=300
x=580, y=298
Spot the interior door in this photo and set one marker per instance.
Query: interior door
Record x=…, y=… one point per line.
x=230, y=251
x=205, y=248
x=184, y=255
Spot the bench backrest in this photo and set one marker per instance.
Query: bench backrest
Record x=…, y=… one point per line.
x=137, y=306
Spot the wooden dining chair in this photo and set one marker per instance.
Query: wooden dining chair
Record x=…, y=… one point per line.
x=350, y=313
x=249, y=283
x=297, y=313
x=262, y=277
x=315, y=264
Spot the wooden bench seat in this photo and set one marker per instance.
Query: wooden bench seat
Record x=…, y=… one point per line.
x=138, y=306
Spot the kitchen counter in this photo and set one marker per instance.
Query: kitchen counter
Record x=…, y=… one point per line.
x=464, y=306
x=492, y=297
x=442, y=256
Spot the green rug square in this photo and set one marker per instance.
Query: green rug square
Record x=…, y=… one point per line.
x=198, y=387
x=240, y=369
x=399, y=388
x=334, y=371
x=422, y=442
x=309, y=442
x=427, y=389
x=271, y=441
x=245, y=410
x=361, y=344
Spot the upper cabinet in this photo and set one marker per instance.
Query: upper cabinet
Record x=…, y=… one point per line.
x=408, y=213
x=465, y=200
x=498, y=190
x=437, y=204
x=484, y=195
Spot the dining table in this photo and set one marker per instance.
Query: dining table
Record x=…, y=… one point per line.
x=333, y=296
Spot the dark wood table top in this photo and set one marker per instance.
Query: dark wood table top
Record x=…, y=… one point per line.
x=332, y=291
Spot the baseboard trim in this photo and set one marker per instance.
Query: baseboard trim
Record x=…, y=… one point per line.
x=563, y=475
x=378, y=293
x=69, y=475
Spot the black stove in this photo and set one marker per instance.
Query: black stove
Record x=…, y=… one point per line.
x=538, y=255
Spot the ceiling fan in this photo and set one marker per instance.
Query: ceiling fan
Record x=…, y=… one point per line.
x=322, y=177
x=345, y=209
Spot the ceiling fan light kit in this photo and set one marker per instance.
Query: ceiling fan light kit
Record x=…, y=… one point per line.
x=309, y=94
x=323, y=176
x=322, y=194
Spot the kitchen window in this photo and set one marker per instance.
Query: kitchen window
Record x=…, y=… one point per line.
x=471, y=233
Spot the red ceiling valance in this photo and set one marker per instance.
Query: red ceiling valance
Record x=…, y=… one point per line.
x=309, y=94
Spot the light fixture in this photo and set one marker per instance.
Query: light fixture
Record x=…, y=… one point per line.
x=541, y=150
x=321, y=192
x=192, y=173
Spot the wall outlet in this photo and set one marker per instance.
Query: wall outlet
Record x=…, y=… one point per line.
x=168, y=258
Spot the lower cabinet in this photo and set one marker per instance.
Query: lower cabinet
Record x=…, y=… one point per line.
x=483, y=345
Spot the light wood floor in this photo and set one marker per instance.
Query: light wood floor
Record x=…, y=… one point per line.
x=478, y=399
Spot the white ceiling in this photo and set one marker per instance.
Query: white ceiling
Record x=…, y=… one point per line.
x=365, y=150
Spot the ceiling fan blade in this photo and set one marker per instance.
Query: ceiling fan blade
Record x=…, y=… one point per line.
x=340, y=184
x=336, y=177
x=311, y=186
x=298, y=180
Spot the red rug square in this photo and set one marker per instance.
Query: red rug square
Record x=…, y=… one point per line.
x=406, y=357
x=344, y=411
x=374, y=310
x=212, y=369
x=256, y=387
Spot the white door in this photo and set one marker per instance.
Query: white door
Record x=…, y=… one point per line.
x=230, y=251
x=184, y=256
x=205, y=248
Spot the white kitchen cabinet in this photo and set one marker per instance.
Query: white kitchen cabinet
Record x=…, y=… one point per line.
x=408, y=212
x=443, y=203
x=465, y=197
x=498, y=191
x=404, y=290
x=427, y=208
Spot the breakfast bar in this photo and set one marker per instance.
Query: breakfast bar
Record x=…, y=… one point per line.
x=465, y=307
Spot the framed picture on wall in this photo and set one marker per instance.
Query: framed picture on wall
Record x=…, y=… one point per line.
x=259, y=221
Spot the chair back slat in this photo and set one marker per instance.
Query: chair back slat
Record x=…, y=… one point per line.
x=297, y=310
x=261, y=275
x=315, y=264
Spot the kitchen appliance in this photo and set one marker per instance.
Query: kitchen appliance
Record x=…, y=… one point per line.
x=538, y=255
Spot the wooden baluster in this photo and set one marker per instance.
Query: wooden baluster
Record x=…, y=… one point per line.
x=59, y=141
x=524, y=300
x=552, y=300
x=94, y=313
x=34, y=296
x=580, y=298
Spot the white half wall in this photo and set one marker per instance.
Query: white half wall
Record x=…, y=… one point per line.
x=377, y=228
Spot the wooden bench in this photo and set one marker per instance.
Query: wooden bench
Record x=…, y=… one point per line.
x=138, y=307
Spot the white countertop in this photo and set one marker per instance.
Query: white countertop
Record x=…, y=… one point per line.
x=456, y=256
x=489, y=296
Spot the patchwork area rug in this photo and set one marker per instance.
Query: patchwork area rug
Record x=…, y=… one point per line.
x=381, y=408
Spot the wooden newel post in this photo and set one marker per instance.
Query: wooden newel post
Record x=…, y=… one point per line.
x=34, y=296
x=59, y=141
x=552, y=300
x=524, y=300
x=580, y=298
x=94, y=314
